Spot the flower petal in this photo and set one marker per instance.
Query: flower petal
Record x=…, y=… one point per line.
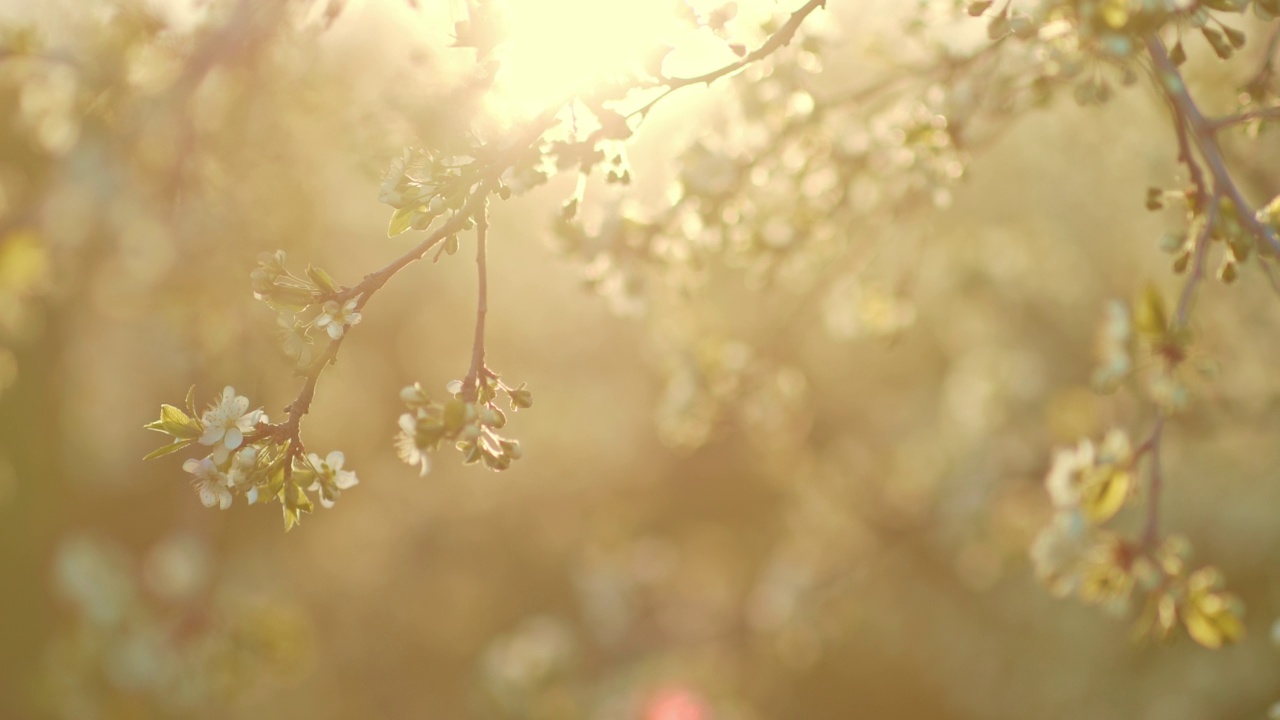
x=233, y=438
x=208, y=495
x=335, y=459
x=220, y=453
x=212, y=434
x=345, y=480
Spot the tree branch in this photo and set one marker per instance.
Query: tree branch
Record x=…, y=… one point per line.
x=290, y=430
x=1202, y=133
x=1201, y=248
x=780, y=37
x=1151, y=529
x=471, y=385
x=1218, y=124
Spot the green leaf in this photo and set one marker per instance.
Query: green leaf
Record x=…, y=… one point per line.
x=1149, y=314
x=1104, y=494
x=401, y=220
x=296, y=498
x=191, y=401
x=291, y=298
x=1212, y=619
x=172, y=447
x=291, y=519
x=998, y=26
x=176, y=423
x=321, y=279
x=978, y=7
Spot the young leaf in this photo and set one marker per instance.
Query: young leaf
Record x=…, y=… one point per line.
x=172, y=447
x=1149, y=315
x=176, y=423
x=978, y=7
x=401, y=220
x=322, y=279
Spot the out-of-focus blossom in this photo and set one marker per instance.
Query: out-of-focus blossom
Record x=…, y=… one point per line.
x=209, y=482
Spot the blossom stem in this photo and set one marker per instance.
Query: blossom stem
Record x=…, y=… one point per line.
x=1201, y=129
x=780, y=37
x=471, y=386
x=476, y=204
x=1151, y=529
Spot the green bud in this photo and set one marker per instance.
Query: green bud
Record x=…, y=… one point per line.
x=455, y=415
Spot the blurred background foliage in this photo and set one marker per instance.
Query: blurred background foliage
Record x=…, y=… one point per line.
x=800, y=490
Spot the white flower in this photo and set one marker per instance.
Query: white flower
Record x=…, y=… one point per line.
x=242, y=466
x=407, y=444
x=209, y=482
x=1059, y=550
x=293, y=337
x=226, y=422
x=1115, y=448
x=330, y=477
x=1067, y=474
x=336, y=318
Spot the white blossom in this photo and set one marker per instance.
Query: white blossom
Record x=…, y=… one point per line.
x=407, y=444
x=1058, y=551
x=1065, y=477
x=242, y=465
x=209, y=482
x=336, y=318
x=226, y=422
x=294, y=339
x=330, y=477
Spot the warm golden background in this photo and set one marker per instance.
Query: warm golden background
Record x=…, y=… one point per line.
x=850, y=541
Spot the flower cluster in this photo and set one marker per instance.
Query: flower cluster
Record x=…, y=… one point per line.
x=249, y=456
x=421, y=187
x=1093, y=44
x=1073, y=554
x=469, y=420
x=1076, y=554
x=1220, y=224
x=315, y=301
x=1148, y=328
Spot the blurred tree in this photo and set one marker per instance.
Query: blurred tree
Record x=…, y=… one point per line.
x=861, y=359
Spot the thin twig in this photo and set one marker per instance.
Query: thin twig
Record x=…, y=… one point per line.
x=1201, y=248
x=1181, y=317
x=780, y=37
x=290, y=430
x=471, y=385
x=1186, y=157
x=1191, y=126
x=1174, y=88
x=1221, y=123
x=1151, y=529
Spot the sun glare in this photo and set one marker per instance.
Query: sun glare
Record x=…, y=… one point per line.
x=557, y=47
